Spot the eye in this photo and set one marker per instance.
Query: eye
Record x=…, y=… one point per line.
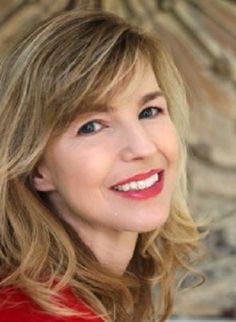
x=150, y=112
x=90, y=127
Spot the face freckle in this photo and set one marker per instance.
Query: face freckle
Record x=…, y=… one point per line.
x=80, y=170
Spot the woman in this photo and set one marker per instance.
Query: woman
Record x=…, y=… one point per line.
x=93, y=213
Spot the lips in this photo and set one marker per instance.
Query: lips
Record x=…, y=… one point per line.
x=138, y=177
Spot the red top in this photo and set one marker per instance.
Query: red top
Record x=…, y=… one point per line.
x=22, y=309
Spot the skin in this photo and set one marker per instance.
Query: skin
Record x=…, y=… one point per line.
x=78, y=169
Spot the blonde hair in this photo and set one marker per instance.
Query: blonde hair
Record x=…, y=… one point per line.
x=70, y=64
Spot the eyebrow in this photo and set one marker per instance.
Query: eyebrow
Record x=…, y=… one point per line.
x=142, y=101
x=105, y=108
x=150, y=96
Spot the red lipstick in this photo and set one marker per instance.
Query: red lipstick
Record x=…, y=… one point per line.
x=145, y=193
x=138, y=177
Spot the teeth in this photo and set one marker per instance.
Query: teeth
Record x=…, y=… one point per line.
x=139, y=185
x=125, y=187
x=133, y=185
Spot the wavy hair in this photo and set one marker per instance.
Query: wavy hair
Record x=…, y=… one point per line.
x=71, y=63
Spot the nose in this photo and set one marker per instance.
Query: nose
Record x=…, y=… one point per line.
x=138, y=144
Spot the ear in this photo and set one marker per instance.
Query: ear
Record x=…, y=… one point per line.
x=42, y=179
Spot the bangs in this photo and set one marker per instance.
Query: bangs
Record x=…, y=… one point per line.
x=99, y=84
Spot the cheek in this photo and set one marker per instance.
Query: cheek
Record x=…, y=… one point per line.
x=173, y=148
x=90, y=166
x=169, y=143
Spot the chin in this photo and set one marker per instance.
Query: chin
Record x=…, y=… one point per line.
x=147, y=226
x=146, y=222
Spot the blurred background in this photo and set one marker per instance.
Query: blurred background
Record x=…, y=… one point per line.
x=202, y=37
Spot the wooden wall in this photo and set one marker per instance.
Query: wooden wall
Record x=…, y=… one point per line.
x=202, y=37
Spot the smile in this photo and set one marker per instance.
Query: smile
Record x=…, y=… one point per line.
x=147, y=188
x=139, y=185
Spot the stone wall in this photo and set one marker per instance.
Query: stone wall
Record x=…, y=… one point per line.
x=202, y=37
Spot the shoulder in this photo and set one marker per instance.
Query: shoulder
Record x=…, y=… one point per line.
x=15, y=306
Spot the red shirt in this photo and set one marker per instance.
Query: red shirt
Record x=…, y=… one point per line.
x=22, y=309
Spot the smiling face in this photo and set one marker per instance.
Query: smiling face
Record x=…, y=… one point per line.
x=115, y=170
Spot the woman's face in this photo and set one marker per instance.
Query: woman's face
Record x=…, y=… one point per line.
x=115, y=170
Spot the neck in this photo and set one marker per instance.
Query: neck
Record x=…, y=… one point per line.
x=113, y=249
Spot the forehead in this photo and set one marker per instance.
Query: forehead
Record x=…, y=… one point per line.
x=140, y=86
x=143, y=81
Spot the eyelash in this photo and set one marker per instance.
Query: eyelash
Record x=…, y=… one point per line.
x=158, y=111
